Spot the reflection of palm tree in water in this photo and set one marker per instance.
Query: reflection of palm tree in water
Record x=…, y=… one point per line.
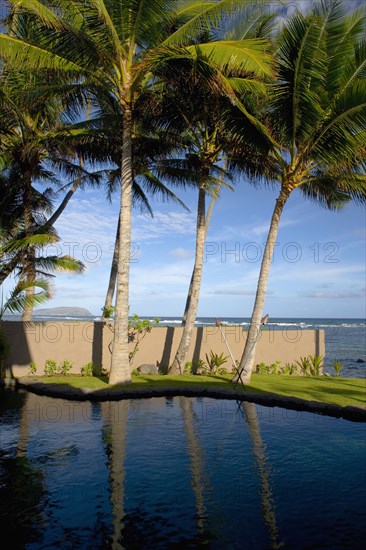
x=268, y=508
x=197, y=461
x=115, y=415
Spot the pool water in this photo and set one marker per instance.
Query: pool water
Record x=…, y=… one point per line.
x=178, y=473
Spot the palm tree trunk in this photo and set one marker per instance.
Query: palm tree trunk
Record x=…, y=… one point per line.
x=183, y=348
x=247, y=360
x=112, y=278
x=207, y=223
x=120, y=366
x=28, y=272
x=57, y=213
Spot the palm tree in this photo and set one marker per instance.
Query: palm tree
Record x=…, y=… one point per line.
x=119, y=47
x=318, y=117
x=14, y=247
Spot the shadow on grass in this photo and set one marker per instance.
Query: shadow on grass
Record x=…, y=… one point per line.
x=325, y=396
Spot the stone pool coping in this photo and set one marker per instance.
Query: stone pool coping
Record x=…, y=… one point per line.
x=61, y=391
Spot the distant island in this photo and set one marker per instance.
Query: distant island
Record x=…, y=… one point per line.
x=63, y=312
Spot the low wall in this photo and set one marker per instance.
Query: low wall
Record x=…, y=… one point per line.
x=81, y=342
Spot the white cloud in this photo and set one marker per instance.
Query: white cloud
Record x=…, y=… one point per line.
x=161, y=225
x=340, y=295
x=181, y=253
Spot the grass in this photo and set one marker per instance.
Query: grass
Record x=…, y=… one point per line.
x=323, y=389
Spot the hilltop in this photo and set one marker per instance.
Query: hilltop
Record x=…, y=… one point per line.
x=63, y=312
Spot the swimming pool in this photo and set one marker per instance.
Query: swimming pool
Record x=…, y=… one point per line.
x=178, y=472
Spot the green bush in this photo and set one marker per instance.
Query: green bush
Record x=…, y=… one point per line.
x=337, y=366
x=187, y=368
x=65, y=367
x=32, y=368
x=316, y=364
x=87, y=370
x=274, y=368
x=50, y=367
x=215, y=361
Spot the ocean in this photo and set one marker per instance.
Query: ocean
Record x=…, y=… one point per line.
x=345, y=339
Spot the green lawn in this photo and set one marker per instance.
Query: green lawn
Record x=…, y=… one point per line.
x=340, y=391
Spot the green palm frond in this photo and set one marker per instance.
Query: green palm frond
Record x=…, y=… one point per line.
x=245, y=56
x=198, y=16
x=59, y=263
x=17, y=301
x=19, y=244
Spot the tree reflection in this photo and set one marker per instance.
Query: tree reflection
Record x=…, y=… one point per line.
x=115, y=416
x=197, y=461
x=22, y=490
x=259, y=451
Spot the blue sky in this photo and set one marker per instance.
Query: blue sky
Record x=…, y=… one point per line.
x=318, y=268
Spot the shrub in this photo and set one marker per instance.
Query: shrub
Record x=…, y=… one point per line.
x=289, y=369
x=274, y=368
x=198, y=367
x=187, y=367
x=50, y=367
x=32, y=368
x=65, y=367
x=316, y=364
x=137, y=330
x=337, y=366
x=215, y=361
x=87, y=370
x=305, y=366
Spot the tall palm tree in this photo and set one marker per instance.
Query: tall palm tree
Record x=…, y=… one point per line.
x=119, y=46
x=34, y=149
x=318, y=117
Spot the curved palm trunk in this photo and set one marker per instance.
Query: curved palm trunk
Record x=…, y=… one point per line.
x=207, y=223
x=57, y=213
x=183, y=348
x=112, y=277
x=247, y=360
x=120, y=366
x=28, y=272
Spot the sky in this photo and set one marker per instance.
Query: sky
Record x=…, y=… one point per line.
x=318, y=269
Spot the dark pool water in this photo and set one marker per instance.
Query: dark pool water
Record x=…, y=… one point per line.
x=178, y=473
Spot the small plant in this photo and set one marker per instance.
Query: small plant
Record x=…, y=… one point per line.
x=316, y=364
x=305, y=366
x=198, y=367
x=187, y=367
x=136, y=372
x=65, y=367
x=32, y=368
x=215, y=361
x=337, y=366
x=289, y=369
x=108, y=312
x=50, y=367
x=274, y=368
x=137, y=330
x=87, y=370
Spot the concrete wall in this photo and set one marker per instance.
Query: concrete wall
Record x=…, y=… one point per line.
x=81, y=342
